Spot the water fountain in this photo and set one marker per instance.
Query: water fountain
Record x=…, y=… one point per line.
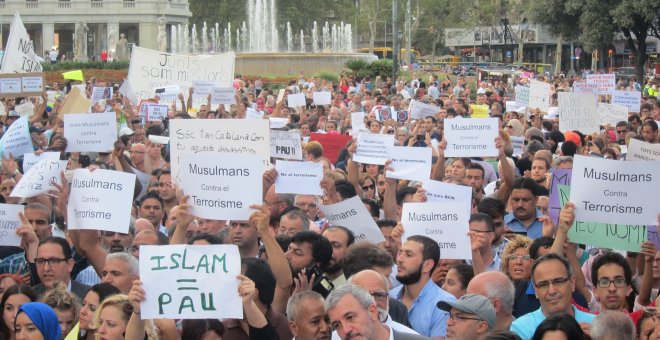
x=258, y=48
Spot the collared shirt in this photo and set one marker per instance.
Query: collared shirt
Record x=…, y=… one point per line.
x=88, y=276
x=335, y=336
x=425, y=317
x=526, y=324
x=534, y=230
x=14, y=264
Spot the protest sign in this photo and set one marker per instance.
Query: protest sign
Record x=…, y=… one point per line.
x=25, y=109
x=2, y=110
x=585, y=88
x=296, y=100
x=9, y=222
x=90, y=132
x=254, y=114
x=127, y=91
x=143, y=178
x=190, y=282
x=611, y=114
x=372, y=148
x=401, y=116
x=17, y=140
x=357, y=122
x=75, y=75
x=616, y=236
x=522, y=96
x=472, y=137
x=352, y=214
x=156, y=112
x=539, y=95
x=331, y=144
x=38, y=179
x=479, y=111
x=100, y=200
x=383, y=112
x=277, y=122
x=167, y=93
x=610, y=191
x=630, y=99
x=444, y=222
x=21, y=85
x=75, y=102
x=409, y=163
x=159, y=139
x=511, y=106
x=202, y=88
x=559, y=177
x=303, y=178
x=150, y=69
x=101, y=93
x=222, y=186
x=322, y=98
x=606, y=82
x=232, y=136
x=518, y=144
x=419, y=110
x=578, y=111
x=223, y=95
x=642, y=151
x=285, y=144
x=30, y=159
x=653, y=235
x=437, y=191
x=19, y=56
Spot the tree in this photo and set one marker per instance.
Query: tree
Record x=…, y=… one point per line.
x=369, y=12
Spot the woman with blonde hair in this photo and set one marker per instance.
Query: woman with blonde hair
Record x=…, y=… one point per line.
x=66, y=307
x=111, y=319
x=516, y=261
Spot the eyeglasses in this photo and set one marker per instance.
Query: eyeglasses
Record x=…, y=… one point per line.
x=165, y=184
x=621, y=131
x=113, y=233
x=546, y=284
x=54, y=261
x=368, y=187
x=137, y=152
x=458, y=317
x=596, y=251
x=605, y=282
x=380, y=296
x=514, y=257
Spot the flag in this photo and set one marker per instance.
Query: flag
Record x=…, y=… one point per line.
x=19, y=54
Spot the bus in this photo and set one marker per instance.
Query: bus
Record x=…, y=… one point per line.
x=386, y=53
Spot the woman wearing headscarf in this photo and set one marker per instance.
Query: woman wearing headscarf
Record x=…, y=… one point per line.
x=36, y=320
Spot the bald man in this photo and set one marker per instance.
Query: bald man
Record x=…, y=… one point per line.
x=500, y=291
x=378, y=285
x=143, y=224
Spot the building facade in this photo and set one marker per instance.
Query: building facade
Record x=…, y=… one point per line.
x=53, y=23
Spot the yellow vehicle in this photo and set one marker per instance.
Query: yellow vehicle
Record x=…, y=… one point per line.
x=386, y=53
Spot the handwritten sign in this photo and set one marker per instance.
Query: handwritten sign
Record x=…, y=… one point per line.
x=606, y=82
x=611, y=114
x=419, y=110
x=17, y=139
x=331, y=144
x=302, y=178
x=559, y=177
x=616, y=236
x=410, y=163
x=585, y=88
x=30, y=159
x=322, y=98
x=372, y=148
x=446, y=223
x=156, y=112
x=9, y=222
x=610, y=191
x=578, y=111
x=100, y=200
x=285, y=145
x=38, y=179
x=522, y=96
x=296, y=100
x=539, y=95
x=190, y=282
x=222, y=187
x=472, y=137
x=630, y=99
x=101, y=93
x=232, y=136
x=642, y=151
x=277, y=122
x=25, y=109
x=223, y=95
x=90, y=132
x=352, y=214
x=150, y=69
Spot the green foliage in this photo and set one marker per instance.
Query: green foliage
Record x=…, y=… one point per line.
x=81, y=65
x=356, y=65
x=381, y=67
x=329, y=76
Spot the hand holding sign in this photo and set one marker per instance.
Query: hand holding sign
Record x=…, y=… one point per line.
x=567, y=217
x=136, y=296
x=260, y=218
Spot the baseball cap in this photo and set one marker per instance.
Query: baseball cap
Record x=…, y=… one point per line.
x=573, y=137
x=125, y=131
x=36, y=129
x=13, y=113
x=475, y=304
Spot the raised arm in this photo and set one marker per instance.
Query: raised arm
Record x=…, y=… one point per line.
x=389, y=197
x=438, y=172
x=507, y=175
x=353, y=169
x=184, y=217
x=648, y=253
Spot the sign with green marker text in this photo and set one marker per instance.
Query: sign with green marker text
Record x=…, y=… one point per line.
x=190, y=282
x=616, y=236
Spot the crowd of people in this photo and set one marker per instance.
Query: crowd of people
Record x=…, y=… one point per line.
x=304, y=278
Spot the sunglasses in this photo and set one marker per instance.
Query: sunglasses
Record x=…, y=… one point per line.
x=368, y=187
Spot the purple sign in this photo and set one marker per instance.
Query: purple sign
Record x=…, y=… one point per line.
x=559, y=177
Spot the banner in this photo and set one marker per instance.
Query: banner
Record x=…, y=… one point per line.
x=285, y=144
x=578, y=111
x=19, y=54
x=150, y=69
x=190, y=282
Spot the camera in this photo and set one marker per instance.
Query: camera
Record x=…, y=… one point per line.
x=321, y=283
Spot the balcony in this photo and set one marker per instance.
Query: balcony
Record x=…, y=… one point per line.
x=73, y=10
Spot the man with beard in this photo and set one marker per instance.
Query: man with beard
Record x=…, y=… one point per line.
x=307, y=319
x=524, y=216
x=244, y=235
x=415, y=263
x=340, y=238
x=151, y=208
x=306, y=251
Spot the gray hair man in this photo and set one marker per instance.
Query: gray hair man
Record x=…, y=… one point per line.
x=611, y=325
x=500, y=291
x=471, y=317
x=307, y=319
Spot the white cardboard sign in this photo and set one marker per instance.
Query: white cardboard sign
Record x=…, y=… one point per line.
x=17, y=140
x=296, y=100
x=419, y=110
x=373, y=148
x=30, y=159
x=322, y=98
x=642, y=151
x=471, y=137
x=522, y=96
x=539, y=95
x=285, y=145
x=437, y=191
x=100, y=200
x=202, y=88
x=303, y=178
x=190, y=282
x=156, y=112
x=412, y=163
x=606, y=82
x=611, y=114
x=101, y=93
x=9, y=222
x=630, y=99
x=96, y=132
x=352, y=214
x=578, y=111
x=585, y=88
x=223, y=95
x=38, y=179
x=615, y=192
x=518, y=144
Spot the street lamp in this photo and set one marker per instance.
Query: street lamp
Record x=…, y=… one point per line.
x=395, y=45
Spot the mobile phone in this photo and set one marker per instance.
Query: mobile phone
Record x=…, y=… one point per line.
x=590, y=144
x=420, y=137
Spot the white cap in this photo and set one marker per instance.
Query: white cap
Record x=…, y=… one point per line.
x=125, y=131
x=553, y=113
x=481, y=90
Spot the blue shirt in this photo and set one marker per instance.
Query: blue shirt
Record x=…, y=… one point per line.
x=534, y=231
x=424, y=316
x=526, y=325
